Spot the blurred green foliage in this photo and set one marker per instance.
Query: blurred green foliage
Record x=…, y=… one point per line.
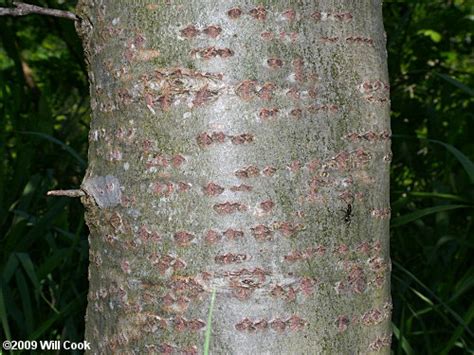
x=44, y=117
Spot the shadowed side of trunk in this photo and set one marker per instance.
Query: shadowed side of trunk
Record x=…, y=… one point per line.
x=243, y=147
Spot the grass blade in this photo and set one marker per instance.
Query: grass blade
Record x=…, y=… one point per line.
x=456, y=83
x=399, y=221
x=207, y=339
x=63, y=145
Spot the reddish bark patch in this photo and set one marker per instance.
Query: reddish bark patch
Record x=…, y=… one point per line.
x=183, y=186
x=289, y=14
x=190, y=31
x=267, y=205
x=298, y=66
x=259, y=13
x=268, y=113
x=307, y=285
x=212, y=189
x=245, y=325
x=343, y=16
x=203, y=95
x=372, y=317
x=183, y=239
x=261, y=324
x=278, y=325
x=269, y=171
x=277, y=291
x=177, y=160
x=296, y=323
x=342, y=322
x=165, y=102
x=213, y=52
x=234, y=13
x=241, y=188
x=294, y=166
x=266, y=92
x=316, y=16
x=195, y=324
x=274, y=63
x=266, y=36
x=293, y=93
x=212, y=31
x=230, y=258
x=246, y=89
x=229, y=207
x=204, y=139
x=233, y=234
x=296, y=113
x=242, y=138
x=357, y=279
x=261, y=232
x=248, y=172
x=212, y=237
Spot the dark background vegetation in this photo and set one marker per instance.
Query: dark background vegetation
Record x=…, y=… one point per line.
x=44, y=117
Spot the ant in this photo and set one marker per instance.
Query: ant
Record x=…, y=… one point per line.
x=348, y=213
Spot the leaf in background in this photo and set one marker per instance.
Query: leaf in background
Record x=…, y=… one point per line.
x=464, y=160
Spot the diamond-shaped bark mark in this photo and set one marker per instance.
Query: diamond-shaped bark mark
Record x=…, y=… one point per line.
x=274, y=63
x=372, y=317
x=342, y=323
x=241, y=188
x=266, y=91
x=230, y=258
x=212, y=237
x=242, y=292
x=307, y=285
x=165, y=102
x=316, y=16
x=166, y=349
x=163, y=189
x=343, y=16
x=261, y=232
x=261, y=324
x=298, y=67
x=266, y=36
x=204, y=139
x=234, y=13
x=229, y=207
x=277, y=291
x=296, y=113
x=287, y=228
x=190, y=31
x=183, y=186
x=289, y=14
x=269, y=171
x=195, y=324
x=177, y=160
x=259, y=13
x=187, y=286
x=268, y=113
x=212, y=31
x=212, y=189
x=246, y=90
x=357, y=279
x=248, y=172
x=293, y=93
x=296, y=323
x=267, y=205
x=294, y=166
x=245, y=325
x=278, y=325
x=233, y=234
x=213, y=52
x=183, y=239
x=242, y=139
x=203, y=95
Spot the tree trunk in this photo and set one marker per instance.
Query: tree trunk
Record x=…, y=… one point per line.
x=243, y=148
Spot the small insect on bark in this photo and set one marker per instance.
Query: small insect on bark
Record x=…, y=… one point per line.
x=348, y=214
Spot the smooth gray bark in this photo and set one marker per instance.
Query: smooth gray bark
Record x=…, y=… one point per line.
x=243, y=147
